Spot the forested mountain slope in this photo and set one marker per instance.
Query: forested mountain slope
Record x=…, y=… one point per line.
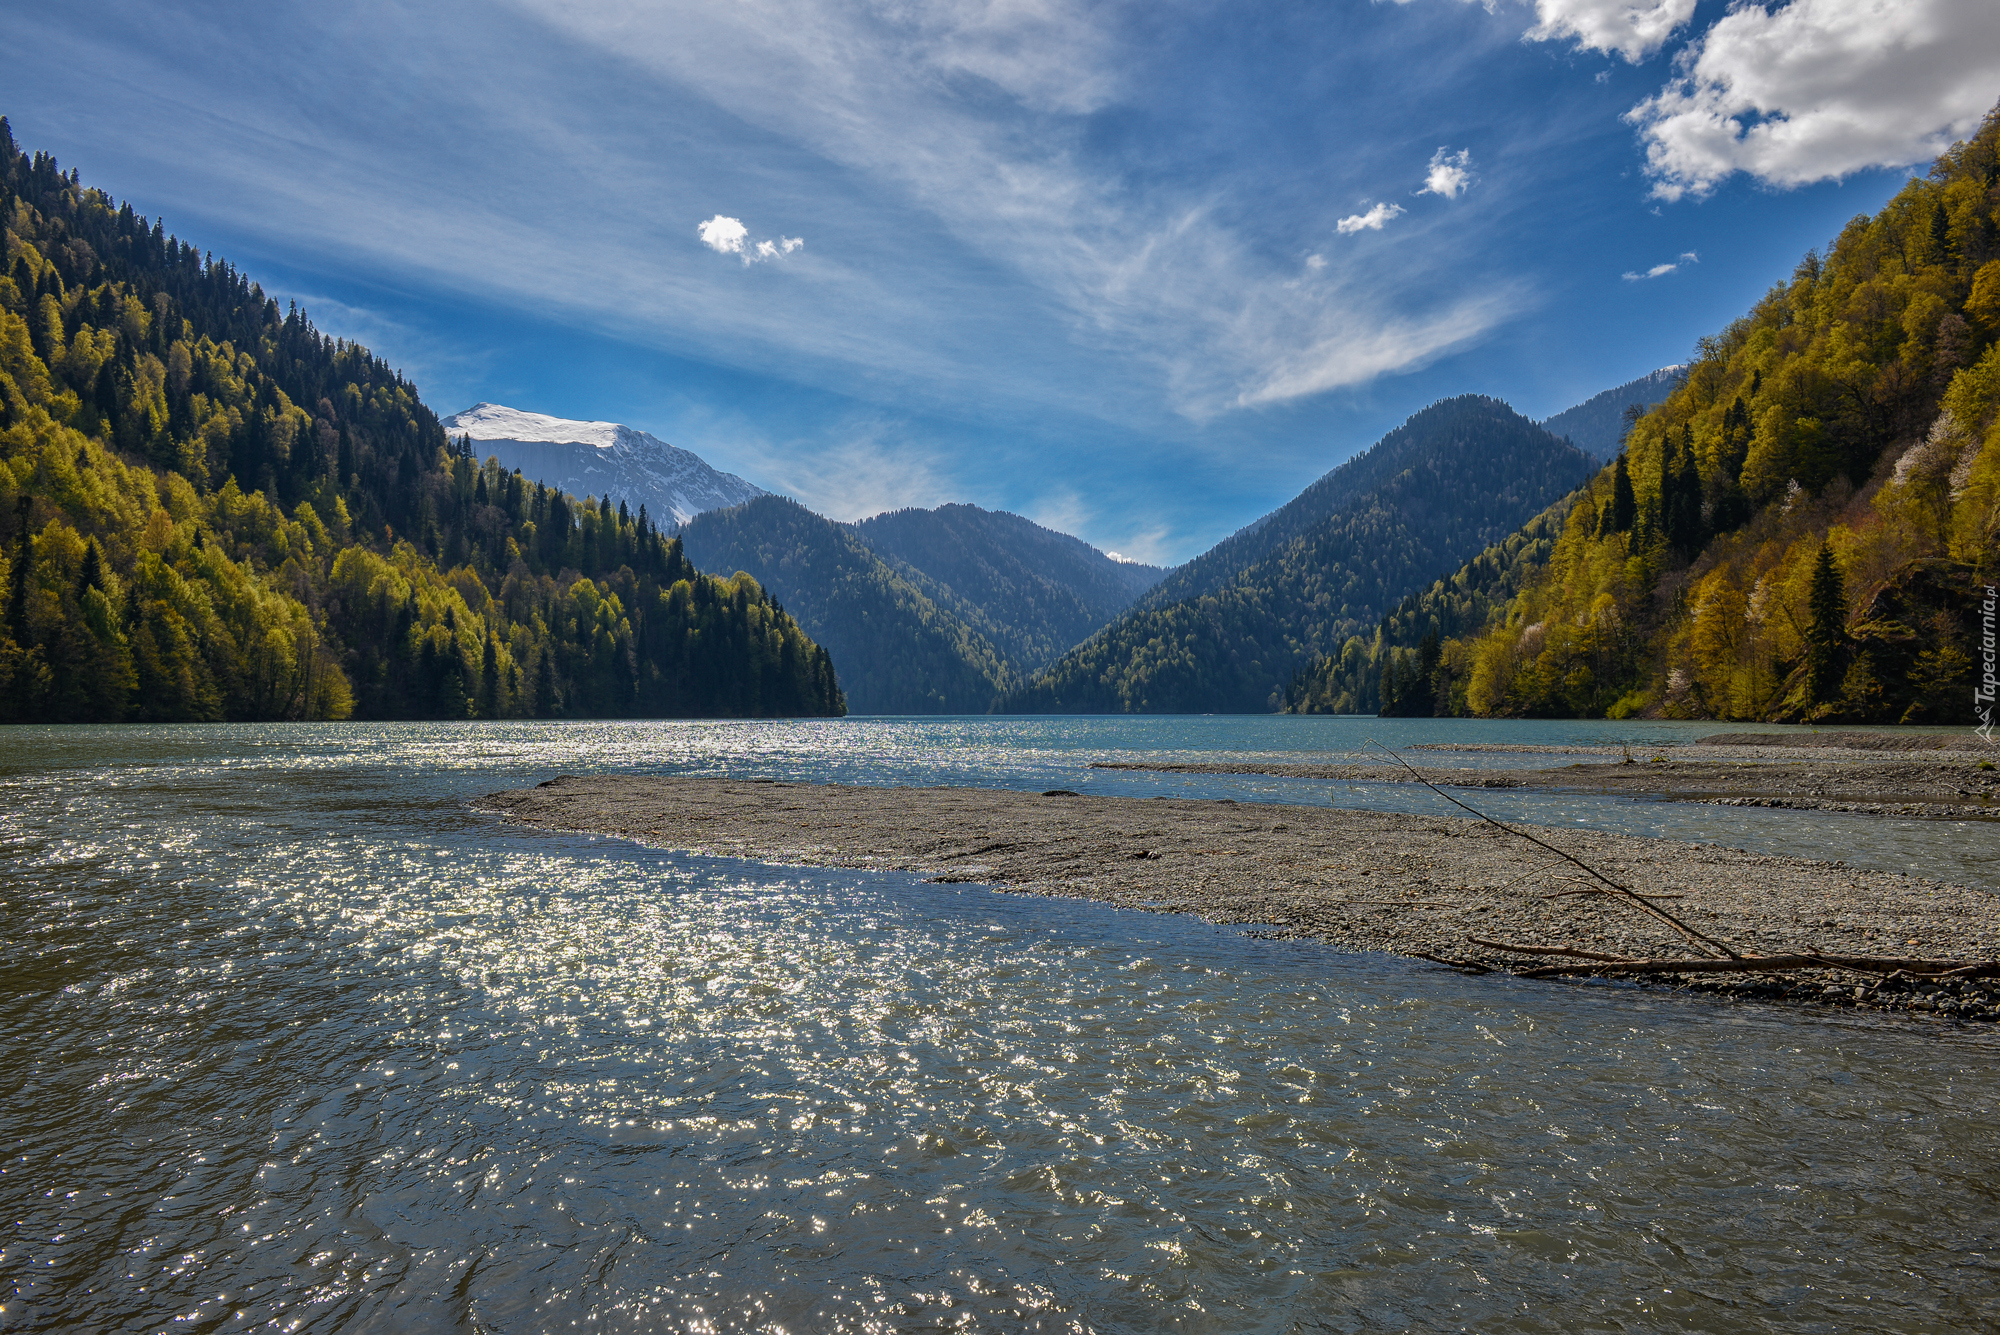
x=1456, y=477
x=899, y=652
x=1805, y=528
x=210, y=510
x=1597, y=425
x=1402, y=670
x=1030, y=591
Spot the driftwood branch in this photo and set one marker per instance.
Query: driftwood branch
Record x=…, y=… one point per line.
x=1630, y=896
x=1463, y=966
x=1596, y=962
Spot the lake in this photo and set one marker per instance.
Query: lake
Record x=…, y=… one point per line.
x=296, y=1039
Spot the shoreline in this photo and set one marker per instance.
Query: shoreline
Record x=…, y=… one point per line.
x=1417, y=886
x=1932, y=787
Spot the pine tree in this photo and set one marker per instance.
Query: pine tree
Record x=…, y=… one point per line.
x=1826, y=627
x=1624, y=504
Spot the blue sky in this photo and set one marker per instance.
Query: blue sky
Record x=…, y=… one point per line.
x=1139, y=271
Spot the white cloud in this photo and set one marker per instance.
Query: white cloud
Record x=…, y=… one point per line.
x=1662, y=270
x=1315, y=262
x=1371, y=221
x=1356, y=356
x=724, y=234
x=1819, y=89
x=1450, y=173
x=1633, y=29
x=728, y=236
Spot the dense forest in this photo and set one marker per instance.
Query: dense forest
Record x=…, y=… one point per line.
x=1802, y=530
x=1030, y=591
x=1409, y=667
x=1324, y=568
x=210, y=510
x=899, y=651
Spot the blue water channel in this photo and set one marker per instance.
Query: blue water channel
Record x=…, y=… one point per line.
x=293, y=1037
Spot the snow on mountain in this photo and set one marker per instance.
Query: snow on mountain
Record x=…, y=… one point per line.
x=602, y=459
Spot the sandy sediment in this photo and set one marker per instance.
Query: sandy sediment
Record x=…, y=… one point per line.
x=1411, y=885
x=1932, y=787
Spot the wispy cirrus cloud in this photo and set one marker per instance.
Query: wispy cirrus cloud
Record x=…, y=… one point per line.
x=972, y=114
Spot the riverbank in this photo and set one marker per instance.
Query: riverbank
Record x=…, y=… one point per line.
x=1410, y=885
x=1934, y=787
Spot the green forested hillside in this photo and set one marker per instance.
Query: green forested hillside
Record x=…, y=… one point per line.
x=899, y=651
x=1457, y=476
x=210, y=510
x=1030, y=591
x=1409, y=666
x=1805, y=527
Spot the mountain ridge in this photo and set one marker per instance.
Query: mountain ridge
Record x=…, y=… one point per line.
x=1321, y=568
x=1032, y=591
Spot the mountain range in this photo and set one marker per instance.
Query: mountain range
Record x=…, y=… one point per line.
x=925, y=611
x=602, y=459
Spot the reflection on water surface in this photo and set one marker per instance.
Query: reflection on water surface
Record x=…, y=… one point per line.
x=292, y=1033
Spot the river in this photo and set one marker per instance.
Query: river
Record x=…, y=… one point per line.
x=295, y=1038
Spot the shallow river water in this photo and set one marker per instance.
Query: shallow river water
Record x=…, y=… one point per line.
x=294, y=1038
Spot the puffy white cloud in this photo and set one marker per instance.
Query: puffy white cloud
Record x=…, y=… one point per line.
x=1315, y=262
x=1371, y=221
x=1450, y=173
x=728, y=236
x=725, y=235
x=1633, y=29
x=1819, y=89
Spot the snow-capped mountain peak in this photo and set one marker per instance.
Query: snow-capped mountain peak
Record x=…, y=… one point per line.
x=602, y=459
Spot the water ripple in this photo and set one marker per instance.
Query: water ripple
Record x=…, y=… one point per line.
x=297, y=1041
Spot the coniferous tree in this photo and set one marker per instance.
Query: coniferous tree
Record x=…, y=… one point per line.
x=1826, y=626
x=1624, y=504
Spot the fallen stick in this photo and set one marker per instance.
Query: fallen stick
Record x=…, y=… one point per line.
x=1693, y=937
x=1595, y=962
x=1593, y=890
x=1463, y=966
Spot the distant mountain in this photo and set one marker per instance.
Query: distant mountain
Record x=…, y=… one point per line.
x=602, y=459
x=1224, y=564
x=1227, y=632
x=895, y=649
x=1597, y=425
x=1032, y=592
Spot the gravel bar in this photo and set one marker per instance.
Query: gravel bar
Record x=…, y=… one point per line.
x=1954, y=789
x=1363, y=880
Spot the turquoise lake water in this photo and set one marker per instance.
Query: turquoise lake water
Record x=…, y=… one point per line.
x=297, y=1039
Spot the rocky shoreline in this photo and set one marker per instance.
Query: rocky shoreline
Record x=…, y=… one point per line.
x=1417, y=886
x=1932, y=787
